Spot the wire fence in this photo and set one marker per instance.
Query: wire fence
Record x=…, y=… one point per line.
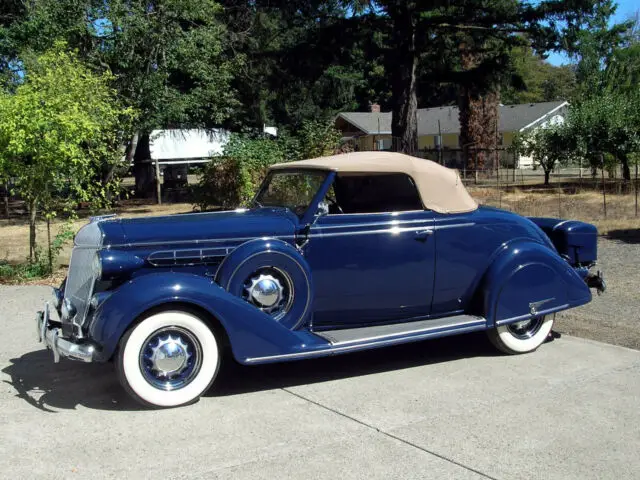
x=498, y=177
x=503, y=178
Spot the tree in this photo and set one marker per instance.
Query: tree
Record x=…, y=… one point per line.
x=58, y=130
x=608, y=123
x=536, y=80
x=547, y=146
x=484, y=32
x=170, y=58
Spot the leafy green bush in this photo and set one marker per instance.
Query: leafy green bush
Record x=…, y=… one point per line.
x=233, y=179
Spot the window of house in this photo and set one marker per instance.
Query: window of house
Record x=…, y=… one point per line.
x=384, y=144
x=375, y=193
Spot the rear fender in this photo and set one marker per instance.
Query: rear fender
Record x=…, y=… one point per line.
x=250, y=331
x=527, y=279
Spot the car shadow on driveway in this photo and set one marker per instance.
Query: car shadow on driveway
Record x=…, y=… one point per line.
x=48, y=386
x=66, y=385
x=236, y=379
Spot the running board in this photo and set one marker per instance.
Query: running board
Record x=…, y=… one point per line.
x=356, y=339
x=383, y=333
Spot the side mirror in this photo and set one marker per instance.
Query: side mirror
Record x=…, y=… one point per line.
x=323, y=209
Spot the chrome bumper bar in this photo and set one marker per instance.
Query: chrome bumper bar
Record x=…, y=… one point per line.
x=49, y=333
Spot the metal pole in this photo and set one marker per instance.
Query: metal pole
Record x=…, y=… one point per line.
x=439, y=143
x=604, y=193
x=158, y=186
x=637, y=160
x=580, y=167
x=6, y=195
x=559, y=203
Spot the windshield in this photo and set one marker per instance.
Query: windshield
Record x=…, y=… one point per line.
x=292, y=190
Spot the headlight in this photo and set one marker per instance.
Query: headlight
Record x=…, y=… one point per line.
x=96, y=267
x=68, y=309
x=57, y=298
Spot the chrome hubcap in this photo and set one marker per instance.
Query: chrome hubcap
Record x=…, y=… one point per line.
x=265, y=291
x=170, y=358
x=271, y=290
x=526, y=328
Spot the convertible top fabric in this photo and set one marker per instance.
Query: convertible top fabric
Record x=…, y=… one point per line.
x=440, y=188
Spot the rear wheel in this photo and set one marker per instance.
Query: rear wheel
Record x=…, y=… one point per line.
x=521, y=337
x=169, y=359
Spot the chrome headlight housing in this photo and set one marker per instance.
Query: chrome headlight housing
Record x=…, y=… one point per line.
x=57, y=296
x=96, y=267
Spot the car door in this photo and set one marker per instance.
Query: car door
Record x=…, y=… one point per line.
x=372, y=259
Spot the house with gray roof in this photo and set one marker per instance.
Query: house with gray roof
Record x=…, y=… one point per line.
x=439, y=128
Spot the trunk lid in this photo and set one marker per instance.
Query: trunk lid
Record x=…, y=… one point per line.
x=576, y=241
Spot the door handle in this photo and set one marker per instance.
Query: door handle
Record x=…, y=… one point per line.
x=423, y=234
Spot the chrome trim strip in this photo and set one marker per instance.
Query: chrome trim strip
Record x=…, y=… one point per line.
x=172, y=257
x=198, y=241
x=375, y=224
x=402, y=212
x=529, y=315
x=362, y=346
x=392, y=230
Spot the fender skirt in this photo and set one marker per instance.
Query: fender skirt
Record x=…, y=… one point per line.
x=528, y=279
x=250, y=331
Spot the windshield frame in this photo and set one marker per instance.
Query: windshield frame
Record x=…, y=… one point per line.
x=309, y=213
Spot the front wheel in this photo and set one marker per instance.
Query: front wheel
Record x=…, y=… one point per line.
x=521, y=337
x=168, y=359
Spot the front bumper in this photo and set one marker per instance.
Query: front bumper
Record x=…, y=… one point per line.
x=49, y=332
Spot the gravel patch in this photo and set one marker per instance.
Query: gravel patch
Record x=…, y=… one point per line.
x=613, y=317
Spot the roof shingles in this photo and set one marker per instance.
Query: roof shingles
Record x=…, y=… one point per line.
x=512, y=118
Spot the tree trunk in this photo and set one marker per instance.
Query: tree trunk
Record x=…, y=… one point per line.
x=6, y=199
x=129, y=153
x=143, y=168
x=626, y=171
x=547, y=173
x=50, y=253
x=478, y=114
x=402, y=61
x=33, y=255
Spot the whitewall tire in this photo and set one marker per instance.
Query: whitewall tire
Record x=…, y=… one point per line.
x=168, y=359
x=521, y=337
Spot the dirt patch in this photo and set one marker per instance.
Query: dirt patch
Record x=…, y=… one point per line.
x=586, y=206
x=14, y=233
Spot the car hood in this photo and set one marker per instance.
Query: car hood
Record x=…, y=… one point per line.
x=200, y=227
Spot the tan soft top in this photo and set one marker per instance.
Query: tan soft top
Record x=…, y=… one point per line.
x=440, y=188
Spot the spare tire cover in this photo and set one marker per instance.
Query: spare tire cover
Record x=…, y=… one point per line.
x=284, y=262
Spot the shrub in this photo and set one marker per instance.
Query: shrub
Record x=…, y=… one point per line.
x=233, y=179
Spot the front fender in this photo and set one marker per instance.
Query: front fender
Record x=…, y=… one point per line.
x=528, y=279
x=250, y=331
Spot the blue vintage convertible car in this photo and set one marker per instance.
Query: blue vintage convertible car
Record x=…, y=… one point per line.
x=335, y=255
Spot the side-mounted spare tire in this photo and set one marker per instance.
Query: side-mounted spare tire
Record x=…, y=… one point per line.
x=271, y=275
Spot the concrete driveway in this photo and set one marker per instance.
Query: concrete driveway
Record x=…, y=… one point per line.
x=448, y=408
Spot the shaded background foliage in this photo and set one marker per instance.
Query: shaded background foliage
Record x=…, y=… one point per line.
x=295, y=64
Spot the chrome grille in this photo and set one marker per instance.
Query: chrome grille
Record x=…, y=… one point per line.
x=80, y=280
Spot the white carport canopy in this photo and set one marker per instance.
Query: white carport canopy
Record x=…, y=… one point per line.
x=174, y=147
